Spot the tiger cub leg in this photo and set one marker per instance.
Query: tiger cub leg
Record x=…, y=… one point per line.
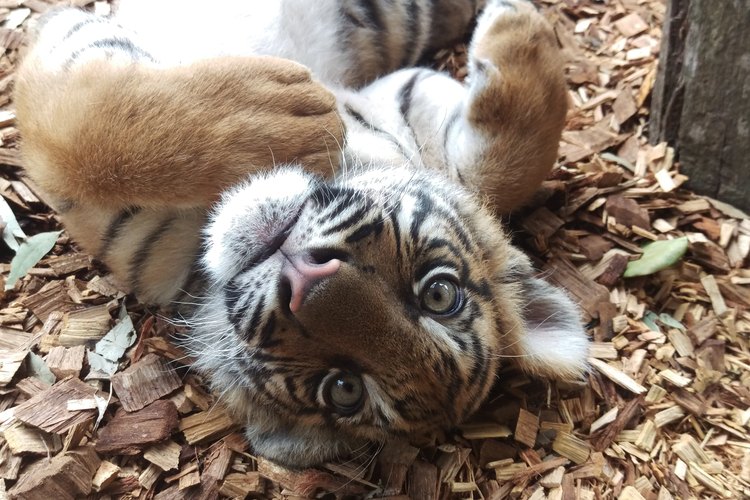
x=131, y=153
x=496, y=134
x=516, y=104
x=104, y=123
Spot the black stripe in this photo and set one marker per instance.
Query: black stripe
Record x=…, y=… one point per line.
x=429, y=266
x=413, y=16
x=352, y=18
x=372, y=14
x=291, y=389
x=450, y=123
x=364, y=231
x=348, y=222
x=255, y=317
x=266, y=335
x=481, y=289
x=425, y=207
x=361, y=120
x=393, y=215
x=144, y=251
x=232, y=295
x=405, y=97
x=121, y=44
x=372, y=128
x=77, y=26
x=374, y=19
x=440, y=243
x=114, y=228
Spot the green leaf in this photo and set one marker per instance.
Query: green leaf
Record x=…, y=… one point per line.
x=649, y=319
x=657, y=256
x=12, y=231
x=617, y=159
x=669, y=321
x=38, y=368
x=29, y=253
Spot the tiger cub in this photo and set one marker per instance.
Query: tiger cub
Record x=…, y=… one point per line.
x=352, y=280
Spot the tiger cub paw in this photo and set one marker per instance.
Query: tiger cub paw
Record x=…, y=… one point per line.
x=515, y=69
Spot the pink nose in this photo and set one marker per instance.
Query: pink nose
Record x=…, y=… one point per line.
x=302, y=273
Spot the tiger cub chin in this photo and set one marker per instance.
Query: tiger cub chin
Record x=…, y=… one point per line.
x=362, y=289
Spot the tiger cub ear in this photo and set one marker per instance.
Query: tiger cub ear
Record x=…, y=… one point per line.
x=555, y=344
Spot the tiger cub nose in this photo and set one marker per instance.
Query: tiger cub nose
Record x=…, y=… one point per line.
x=301, y=271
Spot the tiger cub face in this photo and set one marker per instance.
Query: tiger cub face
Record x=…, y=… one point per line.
x=378, y=304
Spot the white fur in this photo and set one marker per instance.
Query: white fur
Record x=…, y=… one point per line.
x=200, y=30
x=251, y=211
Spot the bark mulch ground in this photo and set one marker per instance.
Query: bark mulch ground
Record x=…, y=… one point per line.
x=663, y=414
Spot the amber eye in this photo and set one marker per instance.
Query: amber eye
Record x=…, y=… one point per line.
x=344, y=392
x=441, y=296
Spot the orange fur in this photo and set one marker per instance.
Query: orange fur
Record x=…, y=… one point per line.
x=120, y=136
x=524, y=108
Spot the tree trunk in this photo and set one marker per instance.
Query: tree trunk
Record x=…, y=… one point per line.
x=701, y=100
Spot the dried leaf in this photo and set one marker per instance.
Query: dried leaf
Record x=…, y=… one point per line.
x=12, y=231
x=28, y=254
x=108, y=351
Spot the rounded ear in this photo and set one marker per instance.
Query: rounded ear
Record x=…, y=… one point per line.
x=554, y=343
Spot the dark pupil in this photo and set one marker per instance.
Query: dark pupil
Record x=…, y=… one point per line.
x=440, y=296
x=346, y=391
x=348, y=387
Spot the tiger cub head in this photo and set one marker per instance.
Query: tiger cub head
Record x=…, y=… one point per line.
x=379, y=304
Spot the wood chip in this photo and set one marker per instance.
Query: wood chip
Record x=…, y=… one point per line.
x=148, y=477
x=527, y=428
x=206, y=425
x=617, y=376
x=668, y=415
x=10, y=362
x=237, y=485
x=627, y=212
x=712, y=289
x=66, y=362
x=631, y=25
x=23, y=440
x=48, y=410
x=674, y=378
x=709, y=481
x=129, y=432
x=145, y=382
x=105, y=475
x=64, y=477
x=85, y=326
x=485, y=431
x=630, y=493
x=165, y=455
x=571, y=447
x=553, y=479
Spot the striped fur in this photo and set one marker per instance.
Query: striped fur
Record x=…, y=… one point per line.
x=332, y=214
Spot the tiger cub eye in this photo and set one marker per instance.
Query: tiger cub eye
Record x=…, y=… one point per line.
x=344, y=393
x=441, y=296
